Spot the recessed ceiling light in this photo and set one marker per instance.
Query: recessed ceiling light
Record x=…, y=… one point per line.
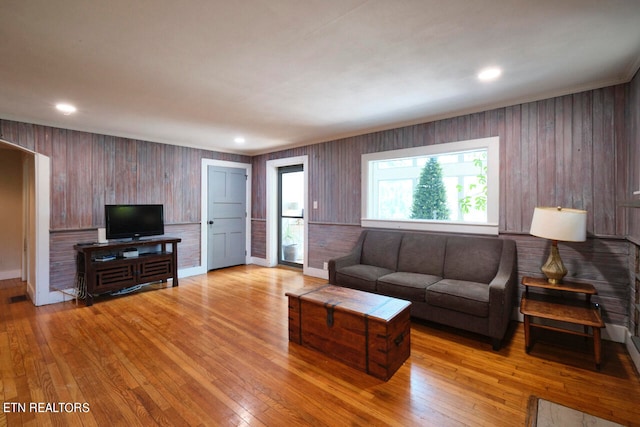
x=239, y=140
x=66, y=109
x=489, y=74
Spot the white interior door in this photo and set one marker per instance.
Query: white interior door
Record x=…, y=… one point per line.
x=226, y=217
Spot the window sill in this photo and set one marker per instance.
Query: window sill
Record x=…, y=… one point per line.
x=444, y=227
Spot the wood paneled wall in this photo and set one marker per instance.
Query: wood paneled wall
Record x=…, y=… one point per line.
x=565, y=151
x=569, y=151
x=259, y=238
x=579, y=151
x=634, y=155
x=90, y=170
x=634, y=213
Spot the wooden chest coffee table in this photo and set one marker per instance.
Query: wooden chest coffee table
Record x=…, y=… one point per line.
x=366, y=331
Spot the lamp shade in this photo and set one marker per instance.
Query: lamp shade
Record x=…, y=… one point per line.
x=556, y=223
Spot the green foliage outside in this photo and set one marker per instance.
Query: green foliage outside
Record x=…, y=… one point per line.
x=476, y=194
x=430, y=195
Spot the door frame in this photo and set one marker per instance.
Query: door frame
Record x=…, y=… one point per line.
x=272, y=208
x=36, y=205
x=280, y=254
x=204, y=244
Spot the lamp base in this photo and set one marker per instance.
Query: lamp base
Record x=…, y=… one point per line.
x=554, y=269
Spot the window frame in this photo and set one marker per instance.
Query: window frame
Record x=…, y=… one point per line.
x=491, y=227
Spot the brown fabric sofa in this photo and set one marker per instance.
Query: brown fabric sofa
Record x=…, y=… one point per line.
x=467, y=282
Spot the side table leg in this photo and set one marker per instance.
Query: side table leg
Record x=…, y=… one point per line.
x=527, y=333
x=597, y=346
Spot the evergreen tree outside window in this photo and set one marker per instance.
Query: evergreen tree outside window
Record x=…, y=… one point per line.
x=430, y=195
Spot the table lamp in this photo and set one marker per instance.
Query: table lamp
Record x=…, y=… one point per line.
x=558, y=224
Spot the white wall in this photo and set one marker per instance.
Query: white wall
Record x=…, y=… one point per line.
x=11, y=214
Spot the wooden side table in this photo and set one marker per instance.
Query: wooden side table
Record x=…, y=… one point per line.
x=578, y=312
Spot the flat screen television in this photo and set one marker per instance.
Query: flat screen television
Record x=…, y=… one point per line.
x=133, y=221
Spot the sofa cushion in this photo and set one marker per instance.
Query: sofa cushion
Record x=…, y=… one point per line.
x=360, y=276
x=380, y=248
x=422, y=253
x=473, y=260
x=459, y=295
x=408, y=286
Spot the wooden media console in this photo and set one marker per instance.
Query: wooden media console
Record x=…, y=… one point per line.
x=104, y=268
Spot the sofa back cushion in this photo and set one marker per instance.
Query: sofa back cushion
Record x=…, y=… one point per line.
x=380, y=248
x=422, y=253
x=473, y=259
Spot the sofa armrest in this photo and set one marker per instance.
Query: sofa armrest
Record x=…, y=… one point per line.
x=352, y=258
x=502, y=290
x=338, y=263
x=344, y=261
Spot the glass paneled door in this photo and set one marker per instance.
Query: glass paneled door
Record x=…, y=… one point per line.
x=291, y=214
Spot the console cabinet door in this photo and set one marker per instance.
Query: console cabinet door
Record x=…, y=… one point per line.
x=113, y=275
x=156, y=268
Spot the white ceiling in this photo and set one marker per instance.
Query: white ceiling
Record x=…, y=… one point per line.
x=286, y=73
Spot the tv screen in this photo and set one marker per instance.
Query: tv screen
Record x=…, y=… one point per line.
x=133, y=221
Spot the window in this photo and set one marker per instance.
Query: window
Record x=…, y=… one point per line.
x=445, y=187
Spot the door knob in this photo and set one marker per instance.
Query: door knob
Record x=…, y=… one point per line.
x=210, y=222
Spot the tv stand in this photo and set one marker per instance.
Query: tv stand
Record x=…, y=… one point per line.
x=101, y=268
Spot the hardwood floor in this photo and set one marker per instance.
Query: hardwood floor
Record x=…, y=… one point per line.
x=215, y=351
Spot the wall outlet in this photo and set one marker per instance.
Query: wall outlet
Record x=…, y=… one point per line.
x=325, y=265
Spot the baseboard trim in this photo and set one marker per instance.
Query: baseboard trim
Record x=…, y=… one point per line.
x=10, y=274
x=262, y=262
x=53, y=297
x=64, y=295
x=633, y=351
x=307, y=271
x=615, y=333
x=192, y=271
x=317, y=272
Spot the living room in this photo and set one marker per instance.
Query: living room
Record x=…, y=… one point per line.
x=578, y=149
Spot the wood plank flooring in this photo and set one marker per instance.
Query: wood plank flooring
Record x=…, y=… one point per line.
x=215, y=351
